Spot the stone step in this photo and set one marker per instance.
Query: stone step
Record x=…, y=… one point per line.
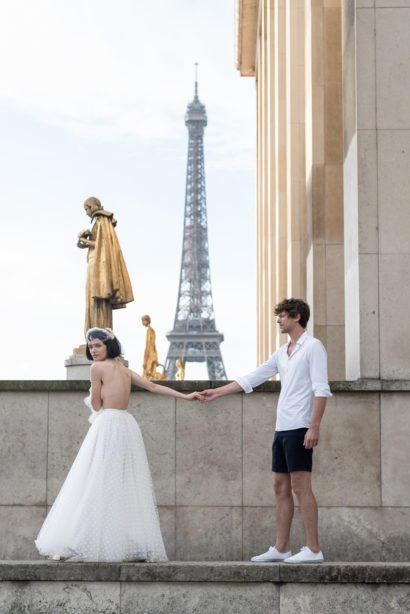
x=192, y=571
x=46, y=587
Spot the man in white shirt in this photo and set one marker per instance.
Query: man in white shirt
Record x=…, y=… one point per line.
x=302, y=366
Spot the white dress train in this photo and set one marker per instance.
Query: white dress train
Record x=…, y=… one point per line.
x=106, y=510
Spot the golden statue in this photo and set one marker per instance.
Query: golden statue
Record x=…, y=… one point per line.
x=108, y=283
x=180, y=375
x=150, y=364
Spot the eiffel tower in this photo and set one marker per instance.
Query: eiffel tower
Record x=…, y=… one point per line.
x=194, y=337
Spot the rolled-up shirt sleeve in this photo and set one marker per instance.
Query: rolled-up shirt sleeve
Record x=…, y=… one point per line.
x=267, y=370
x=318, y=370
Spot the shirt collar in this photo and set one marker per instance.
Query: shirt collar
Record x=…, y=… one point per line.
x=301, y=339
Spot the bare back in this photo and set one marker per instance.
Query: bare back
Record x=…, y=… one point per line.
x=115, y=384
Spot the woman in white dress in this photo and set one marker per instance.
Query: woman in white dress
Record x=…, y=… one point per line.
x=106, y=510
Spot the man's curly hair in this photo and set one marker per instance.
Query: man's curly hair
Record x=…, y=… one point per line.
x=294, y=307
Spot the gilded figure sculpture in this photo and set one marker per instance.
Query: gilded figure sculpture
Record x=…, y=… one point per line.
x=108, y=284
x=150, y=364
x=180, y=374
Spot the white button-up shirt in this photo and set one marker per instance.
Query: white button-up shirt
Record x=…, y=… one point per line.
x=303, y=376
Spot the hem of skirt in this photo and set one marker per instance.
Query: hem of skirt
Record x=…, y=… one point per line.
x=72, y=556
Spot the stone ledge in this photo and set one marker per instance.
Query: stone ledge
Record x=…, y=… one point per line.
x=335, y=573
x=361, y=385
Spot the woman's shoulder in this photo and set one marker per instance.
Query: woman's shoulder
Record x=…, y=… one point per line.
x=101, y=366
x=118, y=367
x=126, y=371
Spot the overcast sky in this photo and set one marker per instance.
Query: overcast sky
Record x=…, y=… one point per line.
x=92, y=101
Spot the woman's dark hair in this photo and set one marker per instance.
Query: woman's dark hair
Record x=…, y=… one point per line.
x=294, y=307
x=113, y=345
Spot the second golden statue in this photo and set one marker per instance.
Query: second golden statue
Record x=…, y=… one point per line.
x=150, y=364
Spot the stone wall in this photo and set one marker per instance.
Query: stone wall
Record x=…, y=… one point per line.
x=211, y=468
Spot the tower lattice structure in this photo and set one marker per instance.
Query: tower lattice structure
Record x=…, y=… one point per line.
x=194, y=337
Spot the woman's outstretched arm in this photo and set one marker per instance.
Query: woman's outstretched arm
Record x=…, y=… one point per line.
x=137, y=380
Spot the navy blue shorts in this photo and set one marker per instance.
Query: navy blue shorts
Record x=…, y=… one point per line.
x=289, y=453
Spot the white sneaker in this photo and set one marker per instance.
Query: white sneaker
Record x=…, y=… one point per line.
x=306, y=556
x=271, y=556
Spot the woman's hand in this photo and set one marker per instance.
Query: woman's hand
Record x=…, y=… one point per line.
x=194, y=396
x=191, y=397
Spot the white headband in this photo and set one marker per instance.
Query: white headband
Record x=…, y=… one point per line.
x=105, y=331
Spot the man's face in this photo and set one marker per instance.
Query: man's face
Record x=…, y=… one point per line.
x=286, y=323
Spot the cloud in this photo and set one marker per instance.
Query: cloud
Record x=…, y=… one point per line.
x=112, y=71
x=118, y=76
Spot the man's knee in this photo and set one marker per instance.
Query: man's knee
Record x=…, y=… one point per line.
x=300, y=483
x=281, y=484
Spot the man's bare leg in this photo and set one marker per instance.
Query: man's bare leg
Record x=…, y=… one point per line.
x=302, y=487
x=284, y=510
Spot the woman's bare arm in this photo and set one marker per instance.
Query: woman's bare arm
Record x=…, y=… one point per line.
x=137, y=380
x=96, y=384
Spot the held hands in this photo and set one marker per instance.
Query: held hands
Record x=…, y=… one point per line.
x=206, y=395
x=202, y=397
x=191, y=397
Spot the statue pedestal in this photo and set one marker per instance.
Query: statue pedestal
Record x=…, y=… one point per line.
x=78, y=365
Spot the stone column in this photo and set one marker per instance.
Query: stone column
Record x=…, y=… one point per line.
x=280, y=152
x=376, y=52
x=265, y=93
x=295, y=138
x=271, y=182
x=324, y=178
x=280, y=132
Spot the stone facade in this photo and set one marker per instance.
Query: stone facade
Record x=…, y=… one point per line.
x=376, y=107
x=211, y=468
x=333, y=135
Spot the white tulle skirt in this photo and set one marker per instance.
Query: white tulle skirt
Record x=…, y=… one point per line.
x=106, y=509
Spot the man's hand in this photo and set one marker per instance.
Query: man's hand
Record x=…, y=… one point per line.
x=311, y=437
x=312, y=434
